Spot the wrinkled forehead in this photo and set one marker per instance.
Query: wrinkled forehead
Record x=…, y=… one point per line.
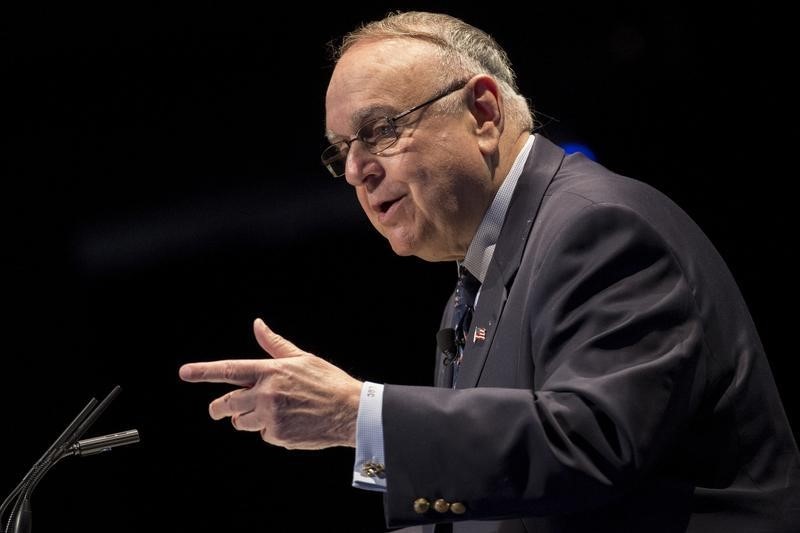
x=378, y=78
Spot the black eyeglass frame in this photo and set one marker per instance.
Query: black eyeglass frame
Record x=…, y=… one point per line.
x=334, y=157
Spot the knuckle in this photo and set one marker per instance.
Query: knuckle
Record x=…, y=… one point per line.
x=269, y=398
x=228, y=371
x=266, y=436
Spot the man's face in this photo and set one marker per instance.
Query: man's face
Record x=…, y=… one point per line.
x=428, y=192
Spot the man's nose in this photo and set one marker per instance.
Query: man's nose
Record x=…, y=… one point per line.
x=361, y=166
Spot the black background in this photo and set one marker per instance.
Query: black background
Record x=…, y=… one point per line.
x=161, y=189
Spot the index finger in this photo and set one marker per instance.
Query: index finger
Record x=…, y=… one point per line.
x=242, y=372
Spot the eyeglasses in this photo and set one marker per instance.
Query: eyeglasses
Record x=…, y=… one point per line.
x=377, y=134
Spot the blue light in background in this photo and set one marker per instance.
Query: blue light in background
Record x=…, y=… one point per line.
x=571, y=148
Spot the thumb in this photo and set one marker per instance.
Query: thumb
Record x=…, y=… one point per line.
x=274, y=344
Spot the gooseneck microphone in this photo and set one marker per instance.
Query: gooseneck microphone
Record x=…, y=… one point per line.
x=103, y=444
x=66, y=445
x=447, y=344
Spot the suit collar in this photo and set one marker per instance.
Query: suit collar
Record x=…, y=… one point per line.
x=481, y=249
x=540, y=168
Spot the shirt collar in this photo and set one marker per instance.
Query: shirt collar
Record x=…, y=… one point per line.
x=481, y=249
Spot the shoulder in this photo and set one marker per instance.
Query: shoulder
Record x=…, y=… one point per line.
x=583, y=190
x=589, y=211
x=581, y=178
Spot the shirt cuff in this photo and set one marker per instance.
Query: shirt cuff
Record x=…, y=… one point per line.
x=368, y=470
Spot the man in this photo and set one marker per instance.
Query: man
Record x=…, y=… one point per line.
x=606, y=377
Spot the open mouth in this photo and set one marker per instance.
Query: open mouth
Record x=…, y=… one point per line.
x=387, y=209
x=384, y=206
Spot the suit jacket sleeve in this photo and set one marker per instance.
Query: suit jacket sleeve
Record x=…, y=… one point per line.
x=612, y=336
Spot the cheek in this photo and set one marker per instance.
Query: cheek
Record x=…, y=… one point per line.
x=435, y=199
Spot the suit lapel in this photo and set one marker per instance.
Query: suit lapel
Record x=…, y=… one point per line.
x=540, y=168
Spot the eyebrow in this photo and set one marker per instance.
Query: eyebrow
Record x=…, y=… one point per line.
x=361, y=116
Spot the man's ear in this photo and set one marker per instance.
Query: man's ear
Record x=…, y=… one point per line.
x=486, y=106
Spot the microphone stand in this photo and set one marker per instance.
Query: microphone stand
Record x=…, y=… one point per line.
x=67, y=444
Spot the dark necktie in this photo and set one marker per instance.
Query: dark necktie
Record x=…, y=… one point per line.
x=464, y=304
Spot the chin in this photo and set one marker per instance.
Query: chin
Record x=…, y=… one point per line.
x=405, y=249
x=404, y=244
x=402, y=248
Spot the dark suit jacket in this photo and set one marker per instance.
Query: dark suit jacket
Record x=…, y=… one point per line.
x=620, y=384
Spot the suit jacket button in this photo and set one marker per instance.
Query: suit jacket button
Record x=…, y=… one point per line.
x=441, y=506
x=421, y=505
x=458, y=508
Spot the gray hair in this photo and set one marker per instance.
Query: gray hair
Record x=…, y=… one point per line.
x=464, y=50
